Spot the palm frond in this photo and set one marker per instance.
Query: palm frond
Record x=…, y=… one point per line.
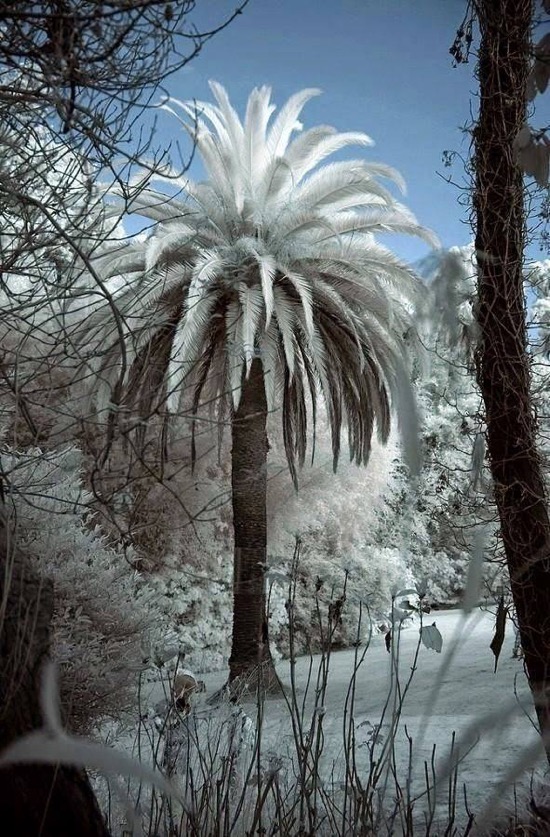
x=327, y=146
x=252, y=306
x=287, y=121
x=258, y=112
x=285, y=313
x=271, y=362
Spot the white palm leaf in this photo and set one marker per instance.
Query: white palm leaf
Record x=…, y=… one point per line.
x=230, y=118
x=399, y=219
x=350, y=285
x=350, y=223
x=287, y=121
x=305, y=144
x=212, y=197
x=199, y=111
x=140, y=303
x=377, y=263
x=267, y=268
x=392, y=217
x=328, y=299
x=224, y=170
x=218, y=149
x=235, y=132
x=208, y=266
x=252, y=305
x=318, y=355
x=268, y=271
x=125, y=262
x=233, y=315
x=335, y=181
x=215, y=215
x=168, y=240
x=271, y=363
x=351, y=195
x=327, y=146
x=297, y=222
x=258, y=112
x=176, y=372
x=101, y=324
x=303, y=288
x=285, y=313
x=275, y=186
x=188, y=343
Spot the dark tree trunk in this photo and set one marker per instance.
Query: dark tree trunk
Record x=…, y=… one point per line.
x=250, y=654
x=503, y=367
x=35, y=800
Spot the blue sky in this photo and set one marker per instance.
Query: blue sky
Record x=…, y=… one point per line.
x=384, y=68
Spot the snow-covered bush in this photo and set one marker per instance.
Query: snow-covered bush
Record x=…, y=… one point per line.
x=105, y=620
x=345, y=571
x=453, y=495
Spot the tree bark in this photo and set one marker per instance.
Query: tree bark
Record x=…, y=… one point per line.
x=250, y=655
x=35, y=800
x=503, y=366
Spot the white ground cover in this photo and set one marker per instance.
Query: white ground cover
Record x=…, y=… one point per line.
x=448, y=693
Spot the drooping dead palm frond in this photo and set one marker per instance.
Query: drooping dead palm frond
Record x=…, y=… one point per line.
x=275, y=256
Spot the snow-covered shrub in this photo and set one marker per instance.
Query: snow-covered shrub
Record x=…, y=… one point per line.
x=345, y=571
x=105, y=620
x=453, y=495
x=199, y=610
x=179, y=526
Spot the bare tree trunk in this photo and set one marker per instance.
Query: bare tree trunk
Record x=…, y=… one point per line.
x=250, y=654
x=35, y=800
x=503, y=368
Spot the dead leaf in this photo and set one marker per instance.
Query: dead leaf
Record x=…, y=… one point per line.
x=500, y=630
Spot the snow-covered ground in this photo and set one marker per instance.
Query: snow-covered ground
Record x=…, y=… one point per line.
x=448, y=692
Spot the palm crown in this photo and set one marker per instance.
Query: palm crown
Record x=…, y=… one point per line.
x=273, y=256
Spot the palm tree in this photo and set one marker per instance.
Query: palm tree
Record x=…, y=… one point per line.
x=263, y=289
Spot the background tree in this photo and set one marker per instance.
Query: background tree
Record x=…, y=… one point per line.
x=72, y=78
x=264, y=291
x=503, y=369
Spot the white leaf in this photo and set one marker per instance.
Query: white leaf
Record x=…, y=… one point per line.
x=523, y=137
x=41, y=748
x=431, y=637
x=49, y=700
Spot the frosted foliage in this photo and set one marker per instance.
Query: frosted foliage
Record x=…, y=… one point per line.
x=538, y=280
x=337, y=518
x=52, y=206
x=105, y=619
x=199, y=610
x=450, y=501
x=336, y=515
x=181, y=532
x=364, y=521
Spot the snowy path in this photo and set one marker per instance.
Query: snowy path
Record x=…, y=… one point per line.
x=469, y=689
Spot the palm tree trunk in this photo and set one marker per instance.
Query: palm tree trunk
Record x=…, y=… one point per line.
x=503, y=369
x=35, y=800
x=250, y=655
